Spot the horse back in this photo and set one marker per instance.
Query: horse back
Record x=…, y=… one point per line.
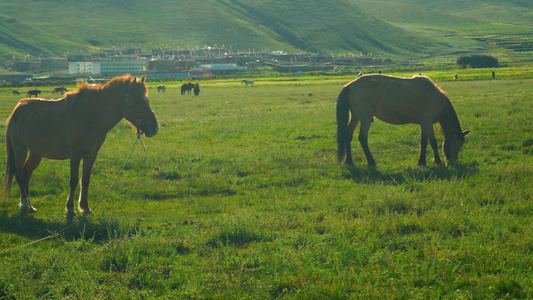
x=30, y=107
x=40, y=125
x=396, y=100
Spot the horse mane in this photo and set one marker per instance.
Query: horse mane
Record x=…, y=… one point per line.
x=448, y=116
x=85, y=88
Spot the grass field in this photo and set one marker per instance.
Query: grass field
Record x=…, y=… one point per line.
x=240, y=196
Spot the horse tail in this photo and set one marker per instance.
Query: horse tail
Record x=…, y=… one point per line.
x=343, y=118
x=10, y=167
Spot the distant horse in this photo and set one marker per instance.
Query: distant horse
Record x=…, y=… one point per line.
x=397, y=101
x=74, y=127
x=16, y=92
x=248, y=82
x=196, y=89
x=161, y=88
x=59, y=90
x=186, y=88
x=32, y=93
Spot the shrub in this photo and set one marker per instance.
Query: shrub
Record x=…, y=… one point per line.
x=478, y=61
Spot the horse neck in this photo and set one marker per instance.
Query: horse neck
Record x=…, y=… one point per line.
x=449, y=122
x=105, y=109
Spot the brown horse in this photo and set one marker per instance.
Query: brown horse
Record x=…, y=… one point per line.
x=397, y=101
x=74, y=127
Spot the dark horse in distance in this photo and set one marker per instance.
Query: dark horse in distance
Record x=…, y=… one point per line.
x=59, y=90
x=74, y=127
x=397, y=101
x=186, y=88
x=32, y=93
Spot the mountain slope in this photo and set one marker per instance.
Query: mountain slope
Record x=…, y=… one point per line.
x=515, y=12
x=381, y=27
x=313, y=25
x=21, y=39
x=452, y=13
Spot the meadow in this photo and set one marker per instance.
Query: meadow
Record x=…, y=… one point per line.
x=240, y=196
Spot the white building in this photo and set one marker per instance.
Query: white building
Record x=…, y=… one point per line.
x=107, y=68
x=220, y=67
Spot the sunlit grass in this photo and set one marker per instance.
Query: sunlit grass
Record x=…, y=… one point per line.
x=240, y=196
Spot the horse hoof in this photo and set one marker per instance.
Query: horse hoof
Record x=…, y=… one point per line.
x=70, y=215
x=24, y=210
x=88, y=213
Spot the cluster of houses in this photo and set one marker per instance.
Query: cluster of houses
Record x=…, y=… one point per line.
x=160, y=63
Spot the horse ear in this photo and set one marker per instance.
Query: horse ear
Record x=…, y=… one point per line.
x=466, y=132
x=143, y=78
x=134, y=79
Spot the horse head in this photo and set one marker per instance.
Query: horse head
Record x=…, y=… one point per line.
x=137, y=108
x=452, y=148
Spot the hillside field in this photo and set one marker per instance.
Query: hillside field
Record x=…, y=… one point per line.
x=239, y=196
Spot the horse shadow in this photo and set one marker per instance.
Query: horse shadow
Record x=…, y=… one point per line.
x=92, y=229
x=369, y=175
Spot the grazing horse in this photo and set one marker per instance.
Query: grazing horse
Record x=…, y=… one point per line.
x=74, y=127
x=186, y=88
x=59, y=90
x=397, y=101
x=16, y=92
x=248, y=82
x=161, y=88
x=32, y=93
x=196, y=89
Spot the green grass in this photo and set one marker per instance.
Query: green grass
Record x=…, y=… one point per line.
x=239, y=196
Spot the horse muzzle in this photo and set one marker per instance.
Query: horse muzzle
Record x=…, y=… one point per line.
x=151, y=133
x=147, y=125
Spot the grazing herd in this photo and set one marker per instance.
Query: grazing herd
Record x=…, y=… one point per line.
x=186, y=89
x=75, y=126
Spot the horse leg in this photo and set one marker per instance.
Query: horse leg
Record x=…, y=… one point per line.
x=423, y=146
x=351, y=128
x=428, y=132
x=434, y=146
x=19, y=156
x=31, y=164
x=73, y=182
x=363, y=140
x=83, y=205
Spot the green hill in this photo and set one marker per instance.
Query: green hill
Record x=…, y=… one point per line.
x=509, y=12
x=453, y=14
x=18, y=38
x=386, y=27
x=502, y=27
x=310, y=25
